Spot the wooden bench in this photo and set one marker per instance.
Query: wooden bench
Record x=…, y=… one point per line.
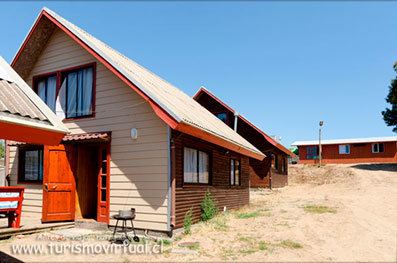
x=11, y=198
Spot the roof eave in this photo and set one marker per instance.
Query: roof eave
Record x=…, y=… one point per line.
x=204, y=135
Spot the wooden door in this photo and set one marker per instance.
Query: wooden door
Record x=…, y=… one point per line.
x=58, y=184
x=103, y=183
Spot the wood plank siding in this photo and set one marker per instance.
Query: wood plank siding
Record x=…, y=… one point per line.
x=359, y=153
x=259, y=170
x=138, y=168
x=190, y=196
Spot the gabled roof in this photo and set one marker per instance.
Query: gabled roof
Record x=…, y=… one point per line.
x=172, y=105
x=347, y=141
x=269, y=139
x=23, y=115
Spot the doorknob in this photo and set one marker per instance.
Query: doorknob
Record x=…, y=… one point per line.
x=54, y=187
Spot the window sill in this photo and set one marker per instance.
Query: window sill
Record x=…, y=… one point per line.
x=79, y=118
x=36, y=183
x=197, y=186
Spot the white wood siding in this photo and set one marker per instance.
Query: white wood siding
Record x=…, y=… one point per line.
x=138, y=168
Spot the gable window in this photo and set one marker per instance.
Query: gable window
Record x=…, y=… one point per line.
x=222, y=116
x=47, y=90
x=30, y=164
x=195, y=166
x=344, y=149
x=70, y=92
x=235, y=172
x=311, y=152
x=76, y=92
x=378, y=148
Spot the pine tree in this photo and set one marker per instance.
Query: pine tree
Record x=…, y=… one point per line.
x=390, y=115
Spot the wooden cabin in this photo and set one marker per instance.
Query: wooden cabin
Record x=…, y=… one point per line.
x=269, y=172
x=136, y=140
x=359, y=150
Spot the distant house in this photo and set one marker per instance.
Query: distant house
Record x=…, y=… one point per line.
x=136, y=140
x=270, y=172
x=362, y=150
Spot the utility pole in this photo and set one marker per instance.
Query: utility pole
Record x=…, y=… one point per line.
x=319, y=144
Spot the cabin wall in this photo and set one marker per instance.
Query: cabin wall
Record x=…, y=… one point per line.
x=139, y=168
x=259, y=170
x=358, y=154
x=190, y=196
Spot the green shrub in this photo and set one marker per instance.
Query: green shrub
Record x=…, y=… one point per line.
x=187, y=222
x=208, y=206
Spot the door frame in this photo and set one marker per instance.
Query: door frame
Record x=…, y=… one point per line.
x=103, y=204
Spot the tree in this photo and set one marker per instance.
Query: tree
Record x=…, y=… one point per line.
x=1, y=149
x=390, y=115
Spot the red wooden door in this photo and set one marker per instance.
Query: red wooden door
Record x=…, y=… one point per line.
x=103, y=183
x=58, y=184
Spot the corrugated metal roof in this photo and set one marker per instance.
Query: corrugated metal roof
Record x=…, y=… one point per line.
x=103, y=136
x=14, y=101
x=176, y=103
x=20, y=105
x=87, y=136
x=266, y=137
x=347, y=141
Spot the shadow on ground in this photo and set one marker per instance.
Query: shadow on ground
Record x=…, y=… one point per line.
x=390, y=167
x=5, y=258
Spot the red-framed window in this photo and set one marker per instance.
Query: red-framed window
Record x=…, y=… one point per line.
x=47, y=90
x=70, y=93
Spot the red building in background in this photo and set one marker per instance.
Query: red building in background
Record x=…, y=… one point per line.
x=271, y=171
x=361, y=150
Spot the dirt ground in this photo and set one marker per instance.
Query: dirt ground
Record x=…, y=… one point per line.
x=334, y=213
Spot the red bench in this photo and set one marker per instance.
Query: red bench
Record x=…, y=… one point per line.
x=11, y=198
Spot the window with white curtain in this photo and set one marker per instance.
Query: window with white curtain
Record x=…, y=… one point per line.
x=235, y=172
x=73, y=97
x=78, y=99
x=344, y=149
x=47, y=90
x=30, y=164
x=195, y=166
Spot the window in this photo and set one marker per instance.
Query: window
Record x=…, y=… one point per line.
x=344, y=149
x=195, y=166
x=284, y=167
x=73, y=95
x=235, y=172
x=276, y=161
x=311, y=152
x=222, y=116
x=76, y=93
x=378, y=148
x=47, y=89
x=30, y=164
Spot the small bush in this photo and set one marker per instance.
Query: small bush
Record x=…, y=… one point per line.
x=187, y=222
x=319, y=209
x=290, y=244
x=208, y=206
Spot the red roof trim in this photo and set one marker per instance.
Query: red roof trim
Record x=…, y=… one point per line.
x=27, y=39
x=158, y=110
x=267, y=137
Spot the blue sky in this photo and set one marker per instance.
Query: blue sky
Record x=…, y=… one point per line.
x=284, y=66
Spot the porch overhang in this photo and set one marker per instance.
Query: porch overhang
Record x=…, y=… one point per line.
x=92, y=137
